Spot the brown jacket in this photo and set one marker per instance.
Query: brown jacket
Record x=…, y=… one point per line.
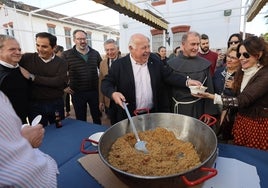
x=253, y=100
x=104, y=67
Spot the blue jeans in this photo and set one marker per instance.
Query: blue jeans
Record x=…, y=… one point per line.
x=47, y=109
x=80, y=99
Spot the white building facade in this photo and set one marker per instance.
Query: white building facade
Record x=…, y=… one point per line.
x=218, y=19
x=24, y=24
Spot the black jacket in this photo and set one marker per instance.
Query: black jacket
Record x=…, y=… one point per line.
x=120, y=78
x=83, y=74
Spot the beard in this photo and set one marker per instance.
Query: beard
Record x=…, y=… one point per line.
x=205, y=50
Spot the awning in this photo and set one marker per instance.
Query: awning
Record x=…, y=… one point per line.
x=255, y=8
x=133, y=11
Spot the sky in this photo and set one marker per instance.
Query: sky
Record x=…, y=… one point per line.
x=257, y=26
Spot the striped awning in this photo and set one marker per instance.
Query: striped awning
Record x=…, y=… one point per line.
x=255, y=8
x=129, y=9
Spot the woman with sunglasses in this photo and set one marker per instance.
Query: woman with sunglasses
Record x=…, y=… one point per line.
x=251, y=123
x=234, y=40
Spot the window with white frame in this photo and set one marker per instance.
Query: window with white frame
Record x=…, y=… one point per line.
x=105, y=37
x=177, y=39
x=9, y=29
x=89, y=38
x=68, y=39
x=157, y=41
x=51, y=29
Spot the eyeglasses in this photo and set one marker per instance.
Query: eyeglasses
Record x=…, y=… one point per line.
x=233, y=42
x=245, y=54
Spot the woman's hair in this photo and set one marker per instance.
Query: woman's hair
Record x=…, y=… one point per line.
x=254, y=46
x=230, y=49
x=234, y=35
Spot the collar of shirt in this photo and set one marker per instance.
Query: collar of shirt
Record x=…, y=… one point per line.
x=111, y=61
x=248, y=74
x=135, y=63
x=8, y=65
x=48, y=60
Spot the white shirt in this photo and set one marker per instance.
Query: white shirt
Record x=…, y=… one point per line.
x=20, y=164
x=143, y=88
x=8, y=65
x=248, y=74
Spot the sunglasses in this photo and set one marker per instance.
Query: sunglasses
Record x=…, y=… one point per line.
x=245, y=54
x=233, y=42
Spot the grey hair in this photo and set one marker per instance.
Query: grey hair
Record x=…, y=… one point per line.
x=185, y=36
x=110, y=41
x=4, y=38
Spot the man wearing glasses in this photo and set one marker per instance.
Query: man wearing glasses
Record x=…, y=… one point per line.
x=83, y=62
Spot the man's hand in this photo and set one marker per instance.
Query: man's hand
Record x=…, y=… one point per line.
x=229, y=84
x=191, y=82
x=204, y=95
x=118, y=98
x=25, y=73
x=34, y=134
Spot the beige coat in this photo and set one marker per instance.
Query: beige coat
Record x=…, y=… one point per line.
x=103, y=72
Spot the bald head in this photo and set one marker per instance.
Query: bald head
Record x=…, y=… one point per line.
x=139, y=47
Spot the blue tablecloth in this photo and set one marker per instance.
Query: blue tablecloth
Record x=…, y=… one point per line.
x=63, y=144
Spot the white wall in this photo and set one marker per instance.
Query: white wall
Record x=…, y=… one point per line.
x=25, y=27
x=204, y=16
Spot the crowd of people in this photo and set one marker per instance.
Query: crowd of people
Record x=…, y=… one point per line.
x=45, y=81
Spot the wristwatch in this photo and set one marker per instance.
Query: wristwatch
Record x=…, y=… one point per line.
x=31, y=77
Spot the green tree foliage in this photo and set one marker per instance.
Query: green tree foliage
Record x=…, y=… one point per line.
x=265, y=36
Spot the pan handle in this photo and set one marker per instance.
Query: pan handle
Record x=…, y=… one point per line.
x=82, y=147
x=141, y=110
x=208, y=119
x=213, y=172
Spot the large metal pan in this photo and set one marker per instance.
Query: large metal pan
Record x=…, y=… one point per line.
x=185, y=128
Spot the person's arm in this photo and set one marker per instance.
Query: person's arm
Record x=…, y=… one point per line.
x=23, y=165
x=176, y=79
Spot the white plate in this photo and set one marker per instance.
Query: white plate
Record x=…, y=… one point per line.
x=96, y=137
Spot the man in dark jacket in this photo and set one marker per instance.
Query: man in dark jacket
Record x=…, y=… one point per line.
x=139, y=79
x=83, y=62
x=12, y=82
